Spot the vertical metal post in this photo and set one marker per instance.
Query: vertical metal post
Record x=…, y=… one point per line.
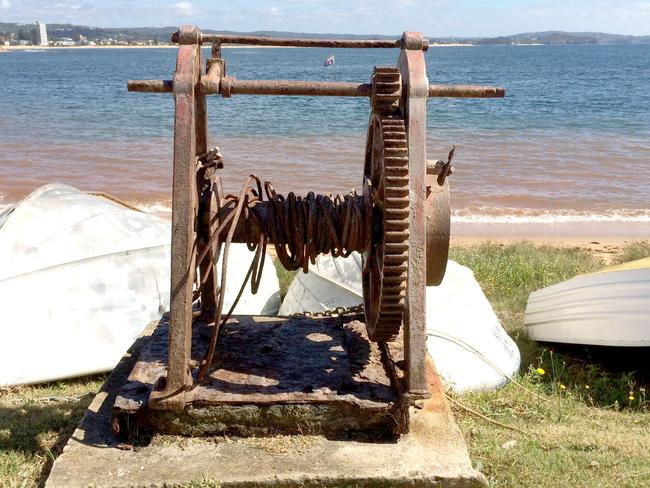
x=414, y=106
x=184, y=211
x=206, y=210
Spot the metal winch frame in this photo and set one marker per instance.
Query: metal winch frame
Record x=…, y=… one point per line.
x=400, y=222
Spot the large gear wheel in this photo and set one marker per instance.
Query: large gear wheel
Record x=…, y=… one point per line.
x=385, y=261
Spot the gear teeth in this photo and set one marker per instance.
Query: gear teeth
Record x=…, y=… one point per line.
x=390, y=307
x=386, y=89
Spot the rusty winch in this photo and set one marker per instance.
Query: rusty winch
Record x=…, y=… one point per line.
x=399, y=222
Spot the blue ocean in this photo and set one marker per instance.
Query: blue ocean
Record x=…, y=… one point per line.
x=570, y=141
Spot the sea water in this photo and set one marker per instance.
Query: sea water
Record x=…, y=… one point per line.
x=570, y=142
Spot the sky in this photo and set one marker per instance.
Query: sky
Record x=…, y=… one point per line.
x=436, y=18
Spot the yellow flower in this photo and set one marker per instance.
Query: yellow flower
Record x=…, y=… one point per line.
x=562, y=387
x=586, y=387
x=540, y=371
x=631, y=397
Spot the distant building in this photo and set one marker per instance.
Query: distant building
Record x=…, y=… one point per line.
x=40, y=34
x=65, y=42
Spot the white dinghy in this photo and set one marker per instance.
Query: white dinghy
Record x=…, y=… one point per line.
x=466, y=341
x=607, y=308
x=80, y=278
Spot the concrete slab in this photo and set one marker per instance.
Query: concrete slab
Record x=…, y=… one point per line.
x=432, y=454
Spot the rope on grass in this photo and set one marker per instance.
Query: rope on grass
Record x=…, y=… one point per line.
x=495, y=422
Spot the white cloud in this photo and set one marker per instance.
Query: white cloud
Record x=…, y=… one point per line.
x=66, y=6
x=184, y=9
x=5, y=4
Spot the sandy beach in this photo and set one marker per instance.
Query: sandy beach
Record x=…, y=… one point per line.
x=605, y=248
x=603, y=239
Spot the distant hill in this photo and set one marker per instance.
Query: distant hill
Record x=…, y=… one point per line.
x=161, y=35
x=559, y=37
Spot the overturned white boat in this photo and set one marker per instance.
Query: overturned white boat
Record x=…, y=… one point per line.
x=80, y=278
x=469, y=346
x=607, y=308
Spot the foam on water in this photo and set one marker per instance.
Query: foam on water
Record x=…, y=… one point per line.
x=537, y=216
x=161, y=209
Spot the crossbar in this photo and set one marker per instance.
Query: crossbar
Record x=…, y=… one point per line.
x=315, y=88
x=296, y=42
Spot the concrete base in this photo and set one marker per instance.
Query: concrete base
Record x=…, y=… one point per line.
x=432, y=454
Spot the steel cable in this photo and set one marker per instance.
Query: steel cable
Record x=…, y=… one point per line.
x=300, y=228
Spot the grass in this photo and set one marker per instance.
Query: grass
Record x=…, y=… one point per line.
x=634, y=251
x=584, y=410
x=35, y=423
x=285, y=277
x=579, y=426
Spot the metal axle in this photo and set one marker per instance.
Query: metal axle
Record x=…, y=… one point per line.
x=278, y=41
x=232, y=86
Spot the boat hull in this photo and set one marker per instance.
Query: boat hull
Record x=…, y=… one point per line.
x=80, y=279
x=603, y=309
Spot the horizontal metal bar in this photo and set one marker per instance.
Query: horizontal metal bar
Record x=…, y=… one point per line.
x=466, y=91
x=314, y=88
x=279, y=41
x=296, y=88
x=150, y=86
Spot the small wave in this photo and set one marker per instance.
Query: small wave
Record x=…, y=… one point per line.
x=540, y=216
x=159, y=209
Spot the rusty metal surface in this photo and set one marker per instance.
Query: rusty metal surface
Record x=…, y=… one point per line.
x=412, y=67
x=438, y=218
x=299, y=360
x=207, y=208
x=309, y=88
x=438, y=225
x=466, y=91
x=273, y=360
x=385, y=261
x=296, y=88
x=150, y=86
x=298, y=42
x=184, y=206
x=386, y=90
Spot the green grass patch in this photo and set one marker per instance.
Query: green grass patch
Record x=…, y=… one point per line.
x=633, y=251
x=508, y=273
x=35, y=423
x=285, y=277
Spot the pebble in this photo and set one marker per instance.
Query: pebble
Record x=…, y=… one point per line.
x=509, y=445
